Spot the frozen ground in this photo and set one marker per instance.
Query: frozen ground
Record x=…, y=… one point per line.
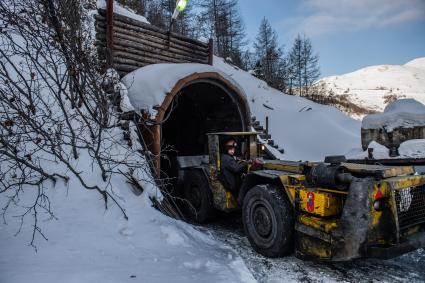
x=229, y=230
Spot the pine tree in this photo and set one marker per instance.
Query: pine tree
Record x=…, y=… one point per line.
x=297, y=65
x=221, y=20
x=304, y=65
x=311, y=70
x=269, y=63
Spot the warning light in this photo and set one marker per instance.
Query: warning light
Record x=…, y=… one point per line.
x=181, y=5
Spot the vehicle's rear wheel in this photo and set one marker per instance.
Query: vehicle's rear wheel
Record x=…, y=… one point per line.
x=198, y=196
x=268, y=220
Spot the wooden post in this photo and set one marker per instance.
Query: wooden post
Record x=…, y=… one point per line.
x=267, y=125
x=110, y=33
x=211, y=52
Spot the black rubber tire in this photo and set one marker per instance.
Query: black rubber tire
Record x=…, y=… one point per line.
x=198, y=196
x=268, y=219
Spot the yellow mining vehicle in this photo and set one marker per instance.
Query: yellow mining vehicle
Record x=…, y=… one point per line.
x=330, y=210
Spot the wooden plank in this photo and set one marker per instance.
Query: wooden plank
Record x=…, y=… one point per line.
x=211, y=52
x=146, y=29
x=150, y=60
x=152, y=41
x=118, y=17
x=130, y=31
x=124, y=58
x=133, y=53
x=148, y=46
x=134, y=49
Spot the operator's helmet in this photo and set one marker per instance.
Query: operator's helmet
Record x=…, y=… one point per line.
x=230, y=143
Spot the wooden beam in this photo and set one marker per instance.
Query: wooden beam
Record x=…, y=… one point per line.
x=211, y=52
x=110, y=32
x=153, y=28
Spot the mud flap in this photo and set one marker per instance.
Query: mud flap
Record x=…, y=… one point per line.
x=350, y=237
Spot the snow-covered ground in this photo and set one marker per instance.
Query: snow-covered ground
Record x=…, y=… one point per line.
x=405, y=113
x=407, y=149
x=87, y=243
x=369, y=87
x=306, y=130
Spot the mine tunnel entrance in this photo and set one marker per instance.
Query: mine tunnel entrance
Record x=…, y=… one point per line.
x=201, y=107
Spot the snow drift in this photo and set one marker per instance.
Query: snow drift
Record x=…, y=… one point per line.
x=405, y=113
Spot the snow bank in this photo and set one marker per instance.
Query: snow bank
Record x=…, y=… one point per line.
x=408, y=149
x=118, y=9
x=148, y=86
x=413, y=149
x=406, y=113
x=87, y=243
x=379, y=152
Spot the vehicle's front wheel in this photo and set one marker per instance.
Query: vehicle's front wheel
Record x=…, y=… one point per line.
x=198, y=196
x=268, y=220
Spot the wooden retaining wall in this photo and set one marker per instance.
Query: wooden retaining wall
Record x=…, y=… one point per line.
x=127, y=44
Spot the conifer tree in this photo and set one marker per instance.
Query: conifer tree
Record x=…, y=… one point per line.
x=269, y=63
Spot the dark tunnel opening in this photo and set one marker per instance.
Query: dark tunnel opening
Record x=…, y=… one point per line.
x=199, y=108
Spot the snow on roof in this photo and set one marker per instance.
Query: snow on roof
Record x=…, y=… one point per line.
x=148, y=86
x=406, y=113
x=124, y=11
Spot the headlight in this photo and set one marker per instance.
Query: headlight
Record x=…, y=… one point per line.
x=379, y=204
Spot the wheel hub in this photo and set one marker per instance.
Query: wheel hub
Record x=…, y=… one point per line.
x=262, y=221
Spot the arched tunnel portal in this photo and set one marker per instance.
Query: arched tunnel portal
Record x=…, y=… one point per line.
x=199, y=104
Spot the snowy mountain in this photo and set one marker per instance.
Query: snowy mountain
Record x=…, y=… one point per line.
x=372, y=88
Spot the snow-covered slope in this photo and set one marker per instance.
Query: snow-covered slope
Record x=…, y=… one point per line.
x=406, y=113
x=87, y=243
x=306, y=130
x=373, y=87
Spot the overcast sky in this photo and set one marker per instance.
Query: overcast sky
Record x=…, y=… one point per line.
x=347, y=34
